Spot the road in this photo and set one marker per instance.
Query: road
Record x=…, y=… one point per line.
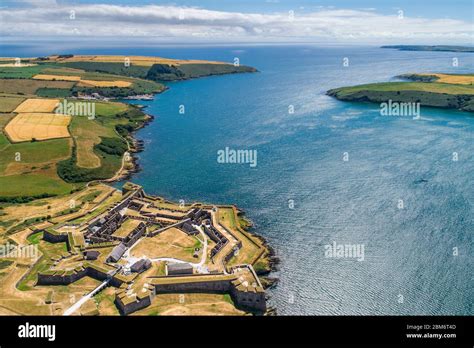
x=84, y=299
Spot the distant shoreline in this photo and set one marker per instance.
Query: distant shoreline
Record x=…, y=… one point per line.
x=436, y=48
x=448, y=91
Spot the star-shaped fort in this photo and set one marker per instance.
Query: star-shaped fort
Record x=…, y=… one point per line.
x=144, y=246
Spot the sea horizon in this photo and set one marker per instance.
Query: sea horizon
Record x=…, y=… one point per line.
x=303, y=195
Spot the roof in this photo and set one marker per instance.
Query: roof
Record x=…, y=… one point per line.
x=118, y=252
x=92, y=254
x=141, y=265
x=179, y=267
x=188, y=227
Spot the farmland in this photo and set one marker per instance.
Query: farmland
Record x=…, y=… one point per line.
x=8, y=104
x=37, y=105
x=28, y=87
x=51, y=154
x=56, y=77
x=30, y=126
x=62, y=137
x=92, y=83
x=435, y=90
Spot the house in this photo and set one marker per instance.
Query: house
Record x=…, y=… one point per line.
x=91, y=254
x=179, y=268
x=117, y=253
x=189, y=229
x=141, y=266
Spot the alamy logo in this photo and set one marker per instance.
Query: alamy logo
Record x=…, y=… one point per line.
x=237, y=156
x=37, y=331
x=391, y=108
x=76, y=108
x=19, y=251
x=335, y=250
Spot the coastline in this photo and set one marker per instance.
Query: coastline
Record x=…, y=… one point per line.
x=450, y=91
x=132, y=166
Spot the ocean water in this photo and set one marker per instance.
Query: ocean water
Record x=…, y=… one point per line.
x=408, y=266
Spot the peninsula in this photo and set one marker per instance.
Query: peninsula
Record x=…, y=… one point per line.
x=452, y=91
x=93, y=249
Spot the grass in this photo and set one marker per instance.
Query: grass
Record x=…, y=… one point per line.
x=194, y=304
x=48, y=250
x=5, y=263
x=35, y=152
x=227, y=217
x=170, y=243
x=251, y=248
x=28, y=169
x=87, y=134
x=430, y=92
x=99, y=141
x=228, y=299
x=89, y=197
x=32, y=185
x=112, y=68
x=20, y=72
x=126, y=228
x=53, y=92
x=34, y=162
x=35, y=238
x=8, y=104
x=30, y=86
x=448, y=88
x=7, y=223
x=24, y=224
x=104, y=206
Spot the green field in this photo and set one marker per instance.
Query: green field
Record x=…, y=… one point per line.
x=34, y=152
x=48, y=250
x=435, y=94
x=53, y=92
x=95, y=150
x=32, y=185
x=408, y=86
x=29, y=87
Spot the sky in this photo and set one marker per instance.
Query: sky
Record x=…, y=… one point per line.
x=243, y=21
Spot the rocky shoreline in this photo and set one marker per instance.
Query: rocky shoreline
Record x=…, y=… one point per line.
x=132, y=167
x=273, y=261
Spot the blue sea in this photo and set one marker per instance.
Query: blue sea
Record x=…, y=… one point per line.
x=331, y=172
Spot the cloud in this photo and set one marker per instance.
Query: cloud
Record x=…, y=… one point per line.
x=182, y=23
x=39, y=3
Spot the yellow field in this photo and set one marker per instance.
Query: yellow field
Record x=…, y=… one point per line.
x=56, y=77
x=169, y=243
x=37, y=105
x=40, y=126
x=190, y=304
x=127, y=227
x=14, y=65
x=92, y=83
x=454, y=79
x=134, y=60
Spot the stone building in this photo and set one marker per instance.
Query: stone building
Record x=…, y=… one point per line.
x=178, y=268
